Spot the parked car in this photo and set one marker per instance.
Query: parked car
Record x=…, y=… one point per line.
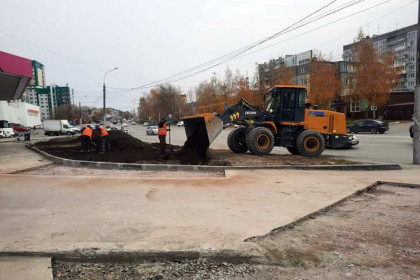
x=370, y=126
x=411, y=130
x=133, y=123
x=181, y=123
x=146, y=123
x=125, y=130
x=113, y=128
x=152, y=130
x=19, y=128
x=124, y=125
x=7, y=132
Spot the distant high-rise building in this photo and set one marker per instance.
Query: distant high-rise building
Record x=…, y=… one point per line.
x=269, y=72
x=38, y=81
x=52, y=97
x=404, y=43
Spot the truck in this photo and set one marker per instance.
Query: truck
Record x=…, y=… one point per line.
x=59, y=127
x=288, y=121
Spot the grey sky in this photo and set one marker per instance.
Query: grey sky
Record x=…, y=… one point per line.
x=79, y=40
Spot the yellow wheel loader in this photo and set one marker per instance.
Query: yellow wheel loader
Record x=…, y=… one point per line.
x=286, y=122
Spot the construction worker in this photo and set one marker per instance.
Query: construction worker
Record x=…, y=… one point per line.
x=103, y=135
x=162, y=134
x=86, y=137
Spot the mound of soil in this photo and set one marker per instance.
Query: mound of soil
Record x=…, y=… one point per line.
x=127, y=149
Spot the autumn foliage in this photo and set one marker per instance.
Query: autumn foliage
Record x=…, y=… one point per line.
x=286, y=75
x=375, y=76
x=324, y=82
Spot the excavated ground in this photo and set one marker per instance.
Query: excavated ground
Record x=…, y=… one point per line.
x=127, y=149
x=372, y=236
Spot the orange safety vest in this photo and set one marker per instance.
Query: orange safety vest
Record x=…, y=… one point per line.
x=103, y=132
x=87, y=132
x=162, y=130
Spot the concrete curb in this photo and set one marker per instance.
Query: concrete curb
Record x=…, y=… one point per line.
x=329, y=207
x=232, y=256
x=205, y=168
x=28, y=168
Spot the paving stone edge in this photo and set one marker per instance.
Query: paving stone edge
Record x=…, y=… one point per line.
x=173, y=167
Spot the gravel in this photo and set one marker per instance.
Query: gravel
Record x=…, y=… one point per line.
x=192, y=269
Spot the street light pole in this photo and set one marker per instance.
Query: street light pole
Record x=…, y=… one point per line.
x=104, y=89
x=416, y=117
x=225, y=95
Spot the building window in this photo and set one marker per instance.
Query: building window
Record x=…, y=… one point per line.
x=354, y=104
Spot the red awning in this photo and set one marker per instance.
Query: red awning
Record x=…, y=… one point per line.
x=15, y=75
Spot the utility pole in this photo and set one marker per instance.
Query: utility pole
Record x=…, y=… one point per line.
x=80, y=111
x=416, y=117
x=104, y=89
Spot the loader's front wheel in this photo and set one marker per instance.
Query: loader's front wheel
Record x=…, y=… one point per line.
x=310, y=143
x=236, y=140
x=260, y=141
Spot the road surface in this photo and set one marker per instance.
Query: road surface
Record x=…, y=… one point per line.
x=395, y=146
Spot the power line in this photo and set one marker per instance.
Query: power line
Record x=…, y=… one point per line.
x=80, y=61
x=230, y=56
x=319, y=27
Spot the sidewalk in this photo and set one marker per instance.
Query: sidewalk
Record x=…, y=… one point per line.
x=15, y=156
x=95, y=215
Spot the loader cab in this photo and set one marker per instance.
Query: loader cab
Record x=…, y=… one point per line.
x=287, y=103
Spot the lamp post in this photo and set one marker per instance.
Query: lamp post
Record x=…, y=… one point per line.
x=226, y=105
x=80, y=109
x=115, y=68
x=416, y=117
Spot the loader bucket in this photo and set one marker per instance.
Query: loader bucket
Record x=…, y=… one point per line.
x=205, y=127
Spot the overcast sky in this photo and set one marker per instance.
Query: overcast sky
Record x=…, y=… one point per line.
x=79, y=40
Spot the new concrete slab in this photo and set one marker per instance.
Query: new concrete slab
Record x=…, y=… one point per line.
x=15, y=156
x=25, y=268
x=66, y=213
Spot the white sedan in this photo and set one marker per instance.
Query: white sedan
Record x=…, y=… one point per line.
x=152, y=130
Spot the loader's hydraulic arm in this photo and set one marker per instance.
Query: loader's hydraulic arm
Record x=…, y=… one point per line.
x=240, y=111
x=207, y=126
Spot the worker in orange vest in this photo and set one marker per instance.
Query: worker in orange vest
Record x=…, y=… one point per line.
x=104, y=138
x=86, y=137
x=162, y=134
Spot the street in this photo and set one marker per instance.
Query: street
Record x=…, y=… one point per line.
x=395, y=146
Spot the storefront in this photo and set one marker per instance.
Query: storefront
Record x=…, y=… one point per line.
x=20, y=112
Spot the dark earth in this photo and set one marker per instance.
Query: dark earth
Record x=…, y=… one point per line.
x=374, y=235
x=127, y=149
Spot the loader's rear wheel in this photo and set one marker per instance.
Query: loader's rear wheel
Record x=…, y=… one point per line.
x=310, y=143
x=236, y=140
x=260, y=141
x=293, y=150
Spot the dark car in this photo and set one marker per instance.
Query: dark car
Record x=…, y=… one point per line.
x=411, y=131
x=370, y=126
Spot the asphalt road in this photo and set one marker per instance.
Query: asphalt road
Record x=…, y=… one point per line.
x=395, y=146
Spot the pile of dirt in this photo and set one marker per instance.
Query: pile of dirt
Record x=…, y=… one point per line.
x=194, y=150
x=127, y=149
